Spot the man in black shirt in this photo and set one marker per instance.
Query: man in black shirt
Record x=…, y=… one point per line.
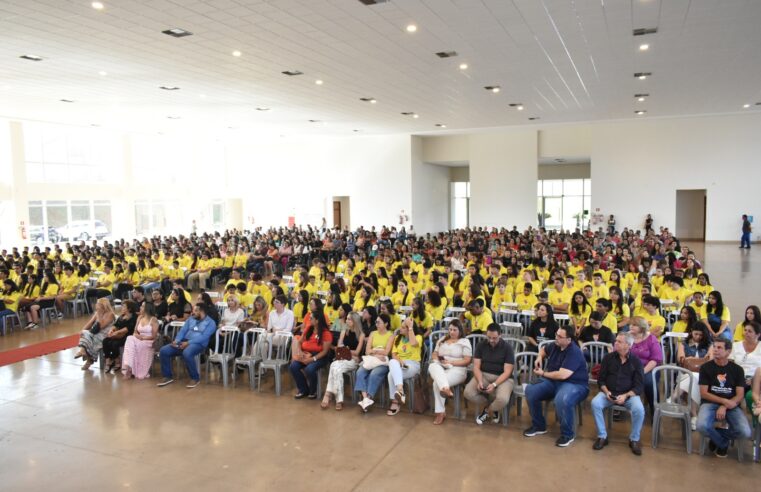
x=621, y=383
x=722, y=389
x=745, y=238
x=492, y=384
x=595, y=331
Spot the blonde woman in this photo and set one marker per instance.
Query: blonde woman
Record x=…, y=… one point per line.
x=352, y=338
x=260, y=312
x=91, y=338
x=449, y=367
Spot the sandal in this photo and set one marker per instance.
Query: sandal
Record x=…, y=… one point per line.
x=339, y=405
x=440, y=417
x=446, y=393
x=399, y=395
x=394, y=409
x=325, y=401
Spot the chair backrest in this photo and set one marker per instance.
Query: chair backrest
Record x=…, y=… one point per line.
x=669, y=346
x=213, y=294
x=510, y=329
x=171, y=329
x=221, y=307
x=516, y=344
x=523, y=371
x=280, y=348
x=434, y=338
x=543, y=344
x=226, y=340
x=562, y=319
x=594, y=352
x=474, y=340
x=250, y=339
x=671, y=377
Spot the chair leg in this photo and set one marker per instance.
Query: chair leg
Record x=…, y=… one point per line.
x=688, y=433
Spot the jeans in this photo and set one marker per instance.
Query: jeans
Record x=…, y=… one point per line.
x=370, y=381
x=648, y=382
x=738, y=425
x=189, y=355
x=633, y=404
x=397, y=374
x=745, y=240
x=566, y=396
x=307, y=385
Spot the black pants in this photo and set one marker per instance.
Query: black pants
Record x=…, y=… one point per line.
x=111, y=347
x=122, y=290
x=94, y=293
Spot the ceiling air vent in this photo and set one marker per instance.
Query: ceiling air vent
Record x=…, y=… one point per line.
x=176, y=32
x=292, y=73
x=373, y=2
x=644, y=30
x=446, y=54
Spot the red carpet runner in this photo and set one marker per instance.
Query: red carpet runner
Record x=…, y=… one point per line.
x=38, y=349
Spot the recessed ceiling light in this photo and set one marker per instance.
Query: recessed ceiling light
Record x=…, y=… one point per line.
x=102, y=73
x=237, y=53
x=495, y=89
x=492, y=88
x=373, y=101
x=463, y=66
x=643, y=75
x=177, y=32
x=31, y=57
x=441, y=125
x=169, y=87
x=67, y=100
x=519, y=108
x=262, y=108
x=640, y=99
x=292, y=73
x=746, y=106
x=640, y=112
x=644, y=47
x=318, y=82
x=412, y=28
x=416, y=116
x=370, y=100
x=97, y=5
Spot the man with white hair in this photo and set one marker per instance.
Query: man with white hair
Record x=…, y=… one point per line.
x=621, y=383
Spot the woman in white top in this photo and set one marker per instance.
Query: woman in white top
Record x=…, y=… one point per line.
x=233, y=315
x=280, y=318
x=352, y=338
x=449, y=366
x=747, y=354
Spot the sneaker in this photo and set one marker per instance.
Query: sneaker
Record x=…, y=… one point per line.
x=365, y=404
x=482, y=418
x=33, y=327
x=564, y=441
x=165, y=381
x=299, y=396
x=312, y=396
x=532, y=431
x=721, y=452
x=712, y=446
x=60, y=315
x=694, y=423
x=495, y=417
x=193, y=383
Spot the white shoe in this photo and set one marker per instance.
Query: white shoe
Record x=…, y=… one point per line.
x=365, y=404
x=694, y=423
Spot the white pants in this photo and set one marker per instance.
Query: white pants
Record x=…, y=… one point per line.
x=397, y=374
x=684, y=382
x=444, y=378
x=336, y=377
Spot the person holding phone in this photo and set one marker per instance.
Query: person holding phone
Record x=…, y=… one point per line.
x=492, y=384
x=621, y=383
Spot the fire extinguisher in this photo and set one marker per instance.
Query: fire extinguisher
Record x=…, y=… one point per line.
x=23, y=230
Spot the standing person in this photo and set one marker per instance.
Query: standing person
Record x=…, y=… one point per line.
x=745, y=238
x=722, y=389
x=611, y=225
x=621, y=383
x=565, y=379
x=648, y=224
x=492, y=384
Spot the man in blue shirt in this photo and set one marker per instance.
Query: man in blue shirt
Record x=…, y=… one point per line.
x=192, y=339
x=565, y=379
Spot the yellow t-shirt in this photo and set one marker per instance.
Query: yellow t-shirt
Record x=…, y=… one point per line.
x=11, y=300
x=404, y=350
x=556, y=298
x=378, y=341
x=481, y=323
x=581, y=319
x=526, y=303
x=679, y=327
x=655, y=321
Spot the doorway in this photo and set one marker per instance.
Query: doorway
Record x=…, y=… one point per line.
x=691, y=214
x=341, y=212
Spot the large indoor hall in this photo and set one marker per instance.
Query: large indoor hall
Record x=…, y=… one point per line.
x=370, y=245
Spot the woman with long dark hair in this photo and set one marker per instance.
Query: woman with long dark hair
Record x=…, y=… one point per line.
x=49, y=288
x=543, y=327
x=311, y=352
x=716, y=316
x=404, y=363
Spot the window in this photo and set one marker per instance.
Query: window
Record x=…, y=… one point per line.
x=460, y=204
x=60, y=220
x=564, y=203
x=66, y=154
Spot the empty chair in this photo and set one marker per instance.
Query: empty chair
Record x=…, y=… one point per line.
x=278, y=357
x=224, y=351
x=665, y=401
x=511, y=329
x=594, y=353
x=523, y=375
x=516, y=344
x=78, y=304
x=669, y=343
x=252, y=353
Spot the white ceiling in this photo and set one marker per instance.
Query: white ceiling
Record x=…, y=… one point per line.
x=565, y=60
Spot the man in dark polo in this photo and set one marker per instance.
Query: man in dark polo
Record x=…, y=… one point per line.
x=492, y=383
x=621, y=383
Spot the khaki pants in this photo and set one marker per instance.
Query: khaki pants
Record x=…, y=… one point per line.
x=496, y=400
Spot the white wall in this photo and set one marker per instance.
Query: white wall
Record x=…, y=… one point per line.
x=430, y=193
x=503, y=174
x=638, y=165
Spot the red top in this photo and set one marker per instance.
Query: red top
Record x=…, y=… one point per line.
x=312, y=345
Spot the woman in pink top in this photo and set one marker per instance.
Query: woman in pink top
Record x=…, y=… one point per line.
x=138, y=349
x=648, y=350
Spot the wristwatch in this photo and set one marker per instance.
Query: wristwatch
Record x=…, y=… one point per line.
x=314, y=358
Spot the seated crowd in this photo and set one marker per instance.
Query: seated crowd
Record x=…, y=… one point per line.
x=391, y=306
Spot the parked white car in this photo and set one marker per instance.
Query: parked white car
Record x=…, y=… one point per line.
x=83, y=230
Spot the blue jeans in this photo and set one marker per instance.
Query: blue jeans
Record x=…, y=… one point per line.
x=738, y=425
x=648, y=383
x=167, y=352
x=307, y=385
x=566, y=396
x=633, y=404
x=370, y=381
x=745, y=240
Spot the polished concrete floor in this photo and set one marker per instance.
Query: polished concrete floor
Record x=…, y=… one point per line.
x=64, y=429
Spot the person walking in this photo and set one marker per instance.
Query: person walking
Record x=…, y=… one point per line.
x=745, y=238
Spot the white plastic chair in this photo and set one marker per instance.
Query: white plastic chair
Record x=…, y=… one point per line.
x=278, y=356
x=254, y=345
x=224, y=351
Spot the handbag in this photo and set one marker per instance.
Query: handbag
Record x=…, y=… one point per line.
x=343, y=353
x=95, y=328
x=422, y=402
x=370, y=362
x=693, y=364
